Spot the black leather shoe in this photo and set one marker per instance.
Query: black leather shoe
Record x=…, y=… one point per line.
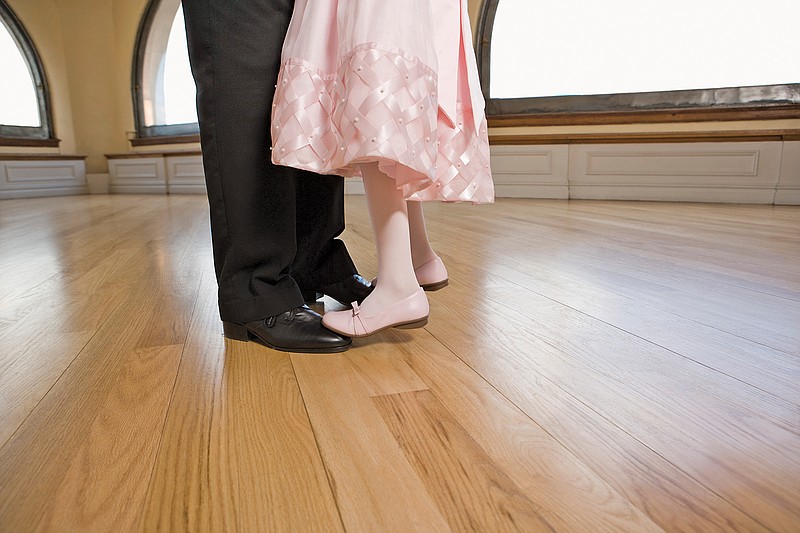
x=296, y=330
x=351, y=289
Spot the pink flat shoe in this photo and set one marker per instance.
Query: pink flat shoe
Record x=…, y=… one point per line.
x=431, y=276
x=408, y=313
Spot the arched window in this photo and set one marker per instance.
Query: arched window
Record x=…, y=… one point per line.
x=24, y=102
x=164, y=91
x=579, y=61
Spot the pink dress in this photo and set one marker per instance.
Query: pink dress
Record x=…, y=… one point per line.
x=392, y=81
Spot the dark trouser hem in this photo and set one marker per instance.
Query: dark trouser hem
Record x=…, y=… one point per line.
x=244, y=310
x=335, y=265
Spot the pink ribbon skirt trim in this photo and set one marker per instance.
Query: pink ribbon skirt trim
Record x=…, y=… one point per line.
x=380, y=106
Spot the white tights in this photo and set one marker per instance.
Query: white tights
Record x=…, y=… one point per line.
x=401, y=239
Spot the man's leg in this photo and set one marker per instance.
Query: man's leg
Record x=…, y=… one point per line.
x=321, y=258
x=234, y=47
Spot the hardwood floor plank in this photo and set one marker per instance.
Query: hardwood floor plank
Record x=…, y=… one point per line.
x=477, y=494
x=64, y=237
x=35, y=461
x=592, y=366
x=46, y=329
x=739, y=443
x=194, y=483
x=755, y=364
x=716, y=241
x=106, y=483
x=380, y=371
x=375, y=487
x=628, y=265
x=283, y=485
x=568, y=496
x=563, y=453
x=472, y=492
x=28, y=369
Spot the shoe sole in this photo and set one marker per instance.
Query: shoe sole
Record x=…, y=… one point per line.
x=430, y=287
x=237, y=332
x=413, y=324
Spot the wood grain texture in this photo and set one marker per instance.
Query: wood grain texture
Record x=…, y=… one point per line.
x=652, y=484
x=740, y=441
x=283, y=484
x=37, y=459
x=376, y=488
x=194, y=484
x=472, y=492
x=478, y=494
x=105, y=486
x=567, y=495
x=592, y=366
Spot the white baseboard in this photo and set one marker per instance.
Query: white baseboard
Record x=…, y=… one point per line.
x=788, y=189
x=42, y=192
x=787, y=196
x=36, y=178
x=655, y=193
x=730, y=172
x=521, y=190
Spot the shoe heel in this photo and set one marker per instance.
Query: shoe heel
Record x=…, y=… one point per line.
x=413, y=325
x=234, y=331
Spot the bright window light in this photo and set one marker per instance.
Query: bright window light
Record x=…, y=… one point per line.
x=179, y=88
x=19, y=104
x=586, y=47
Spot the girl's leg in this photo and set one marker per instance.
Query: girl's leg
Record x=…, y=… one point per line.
x=429, y=269
x=398, y=300
x=390, y=223
x=421, y=251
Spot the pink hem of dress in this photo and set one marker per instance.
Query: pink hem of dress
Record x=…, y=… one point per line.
x=381, y=106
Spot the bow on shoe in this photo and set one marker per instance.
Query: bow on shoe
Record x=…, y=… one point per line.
x=357, y=319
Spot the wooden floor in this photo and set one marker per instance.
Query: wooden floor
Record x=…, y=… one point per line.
x=593, y=366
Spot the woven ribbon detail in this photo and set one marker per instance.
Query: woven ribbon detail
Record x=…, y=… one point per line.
x=379, y=106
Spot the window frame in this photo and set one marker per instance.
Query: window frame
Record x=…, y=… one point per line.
x=41, y=135
x=167, y=132
x=726, y=104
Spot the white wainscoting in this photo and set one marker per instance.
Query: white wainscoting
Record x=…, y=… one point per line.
x=138, y=175
x=788, y=190
x=738, y=172
x=156, y=174
x=48, y=177
x=535, y=171
x=185, y=175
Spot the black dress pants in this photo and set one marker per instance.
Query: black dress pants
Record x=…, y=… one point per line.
x=273, y=228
